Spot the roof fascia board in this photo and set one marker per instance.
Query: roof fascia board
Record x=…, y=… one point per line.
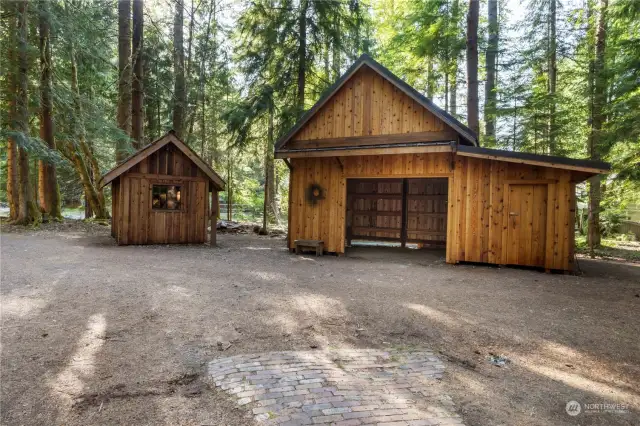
x=589, y=166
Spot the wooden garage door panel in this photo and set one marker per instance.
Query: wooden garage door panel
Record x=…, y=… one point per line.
x=427, y=209
x=377, y=208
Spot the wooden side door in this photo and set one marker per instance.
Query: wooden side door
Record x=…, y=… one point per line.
x=527, y=224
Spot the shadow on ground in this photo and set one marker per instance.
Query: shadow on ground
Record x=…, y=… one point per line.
x=95, y=333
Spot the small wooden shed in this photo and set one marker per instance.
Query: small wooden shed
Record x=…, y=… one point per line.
x=163, y=194
x=374, y=159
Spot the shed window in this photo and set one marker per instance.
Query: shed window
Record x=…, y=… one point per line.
x=166, y=197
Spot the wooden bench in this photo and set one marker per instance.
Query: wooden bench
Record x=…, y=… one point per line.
x=316, y=245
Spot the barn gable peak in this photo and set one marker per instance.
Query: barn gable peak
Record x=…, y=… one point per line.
x=363, y=99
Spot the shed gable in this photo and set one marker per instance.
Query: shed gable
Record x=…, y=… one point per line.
x=368, y=104
x=168, y=161
x=178, y=160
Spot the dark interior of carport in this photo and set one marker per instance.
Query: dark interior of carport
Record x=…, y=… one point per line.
x=404, y=211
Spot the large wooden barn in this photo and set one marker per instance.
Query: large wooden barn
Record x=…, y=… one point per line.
x=375, y=160
x=163, y=194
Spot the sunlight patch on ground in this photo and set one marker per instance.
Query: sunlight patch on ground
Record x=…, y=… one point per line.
x=604, y=390
x=181, y=291
x=286, y=322
x=561, y=351
x=474, y=386
x=13, y=306
x=276, y=277
x=439, y=316
x=319, y=305
x=69, y=383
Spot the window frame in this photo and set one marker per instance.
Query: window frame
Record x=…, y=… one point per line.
x=181, y=208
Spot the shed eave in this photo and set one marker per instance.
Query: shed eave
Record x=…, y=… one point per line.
x=589, y=167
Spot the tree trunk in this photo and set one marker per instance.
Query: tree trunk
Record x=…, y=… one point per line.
x=431, y=87
x=229, y=184
x=124, y=76
x=270, y=206
x=137, y=101
x=490, y=84
x=335, y=54
x=80, y=154
x=13, y=194
x=597, y=121
x=472, y=67
x=453, y=83
x=302, y=54
x=150, y=102
x=201, y=83
x=179, y=90
x=552, y=77
x=48, y=191
x=453, y=90
x=27, y=209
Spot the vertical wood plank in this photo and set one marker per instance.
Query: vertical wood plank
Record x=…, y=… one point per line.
x=126, y=198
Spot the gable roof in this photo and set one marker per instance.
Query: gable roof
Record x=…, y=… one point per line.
x=154, y=146
x=466, y=133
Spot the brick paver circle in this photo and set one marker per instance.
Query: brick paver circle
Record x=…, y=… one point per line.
x=341, y=387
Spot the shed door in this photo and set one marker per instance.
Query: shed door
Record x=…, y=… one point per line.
x=527, y=224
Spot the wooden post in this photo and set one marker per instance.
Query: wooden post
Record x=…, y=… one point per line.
x=214, y=218
x=403, y=226
x=349, y=215
x=290, y=211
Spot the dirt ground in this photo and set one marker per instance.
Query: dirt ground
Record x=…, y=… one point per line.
x=93, y=333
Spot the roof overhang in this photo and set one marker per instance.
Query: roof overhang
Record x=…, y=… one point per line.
x=154, y=146
x=590, y=167
x=465, y=133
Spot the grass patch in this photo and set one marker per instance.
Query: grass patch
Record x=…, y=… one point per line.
x=611, y=248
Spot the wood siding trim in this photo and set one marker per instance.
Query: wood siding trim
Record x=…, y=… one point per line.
x=373, y=139
x=364, y=151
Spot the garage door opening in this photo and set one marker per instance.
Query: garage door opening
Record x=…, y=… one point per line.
x=397, y=212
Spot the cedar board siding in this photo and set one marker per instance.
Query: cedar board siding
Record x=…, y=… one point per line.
x=368, y=104
x=479, y=208
x=135, y=222
x=478, y=218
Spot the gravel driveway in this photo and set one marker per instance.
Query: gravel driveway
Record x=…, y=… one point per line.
x=93, y=333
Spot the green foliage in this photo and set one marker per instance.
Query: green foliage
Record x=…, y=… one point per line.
x=422, y=41
x=243, y=65
x=617, y=247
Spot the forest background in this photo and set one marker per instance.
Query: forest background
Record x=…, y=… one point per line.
x=85, y=83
